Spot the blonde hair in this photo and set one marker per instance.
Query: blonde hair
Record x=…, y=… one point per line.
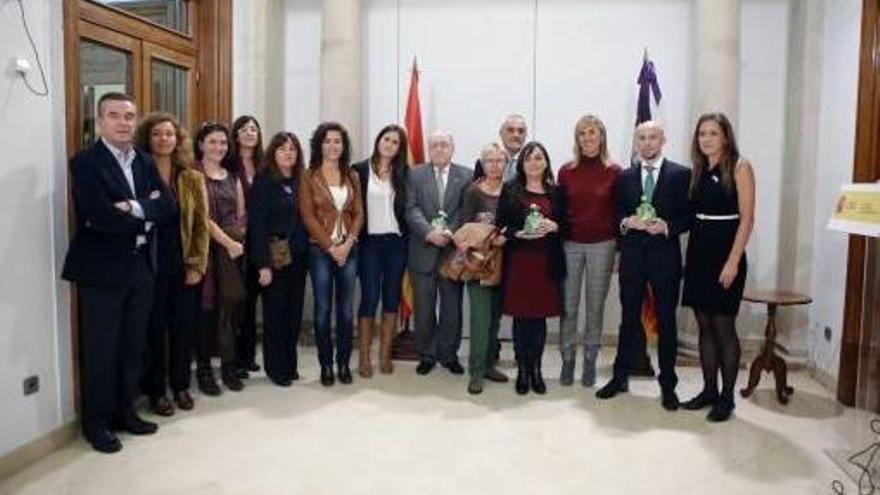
x=591, y=121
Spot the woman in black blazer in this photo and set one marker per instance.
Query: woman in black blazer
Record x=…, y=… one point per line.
x=278, y=251
x=383, y=243
x=534, y=262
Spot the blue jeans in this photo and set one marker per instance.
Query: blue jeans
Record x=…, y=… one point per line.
x=381, y=264
x=327, y=278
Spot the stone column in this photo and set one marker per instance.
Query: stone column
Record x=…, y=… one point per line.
x=716, y=70
x=341, y=74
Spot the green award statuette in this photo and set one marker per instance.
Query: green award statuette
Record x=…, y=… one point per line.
x=646, y=211
x=533, y=220
x=439, y=223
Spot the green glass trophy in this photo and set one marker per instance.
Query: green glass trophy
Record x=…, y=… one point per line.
x=440, y=223
x=533, y=220
x=646, y=211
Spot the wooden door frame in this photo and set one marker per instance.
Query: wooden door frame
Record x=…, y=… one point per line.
x=208, y=43
x=855, y=341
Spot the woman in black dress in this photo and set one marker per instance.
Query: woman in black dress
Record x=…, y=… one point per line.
x=723, y=194
x=534, y=262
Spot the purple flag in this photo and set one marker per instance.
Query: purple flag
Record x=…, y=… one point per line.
x=648, y=84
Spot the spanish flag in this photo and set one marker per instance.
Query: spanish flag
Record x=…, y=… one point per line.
x=412, y=121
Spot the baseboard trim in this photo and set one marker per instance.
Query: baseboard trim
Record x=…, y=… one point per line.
x=38, y=448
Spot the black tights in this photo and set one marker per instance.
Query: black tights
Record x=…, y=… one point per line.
x=719, y=349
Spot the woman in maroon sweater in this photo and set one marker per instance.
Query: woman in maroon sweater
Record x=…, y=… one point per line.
x=588, y=233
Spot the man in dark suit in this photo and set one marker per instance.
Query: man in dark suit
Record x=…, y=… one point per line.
x=433, y=188
x=650, y=253
x=118, y=196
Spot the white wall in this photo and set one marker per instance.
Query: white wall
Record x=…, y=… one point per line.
x=34, y=314
x=835, y=162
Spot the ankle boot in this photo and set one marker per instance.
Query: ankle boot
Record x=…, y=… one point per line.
x=229, y=375
x=365, y=341
x=207, y=383
x=522, y=378
x=388, y=331
x=537, y=379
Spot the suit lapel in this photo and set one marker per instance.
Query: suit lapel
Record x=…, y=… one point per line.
x=431, y=179
x=114, y=169
x=139, y=173
x=451, y=181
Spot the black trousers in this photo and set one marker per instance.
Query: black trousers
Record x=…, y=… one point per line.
x=246, y=346
x=114, y=326
x=170, y=337
x=529, y=338
x=662, y=268
x=282, y=319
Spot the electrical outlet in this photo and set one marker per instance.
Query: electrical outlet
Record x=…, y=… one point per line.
x=31, y=385
x=21, y=65
x=828, y=334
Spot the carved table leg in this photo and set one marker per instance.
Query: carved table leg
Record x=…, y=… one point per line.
x=754, y=375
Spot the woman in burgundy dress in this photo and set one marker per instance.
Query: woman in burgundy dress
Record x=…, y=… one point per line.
x=534, y=263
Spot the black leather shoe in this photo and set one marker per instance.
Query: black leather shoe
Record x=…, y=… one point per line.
x=454, y=367
x=327, y=378
x=242, y=374
x=252, y=367
x=721, y=411
x=538, y=385
x=231, y=378
x=161, y=406
x=135, y=425
x=670, y=400
x=700, y=401
x=345, y=377
x=425, y=367
x=522, y=380
x=104, y=441
x=295, y=375
x=184, y=400
x=285, y=382
x=612, y=388
x=207, y=383
x=495, y=375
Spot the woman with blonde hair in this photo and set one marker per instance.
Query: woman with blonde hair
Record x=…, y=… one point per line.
x=182, y=261
x=588, y=233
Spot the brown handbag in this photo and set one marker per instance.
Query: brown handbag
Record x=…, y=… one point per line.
x=279, y=253
x=481, y=261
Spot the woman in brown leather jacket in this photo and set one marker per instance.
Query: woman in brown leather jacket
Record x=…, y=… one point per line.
x=332, y=211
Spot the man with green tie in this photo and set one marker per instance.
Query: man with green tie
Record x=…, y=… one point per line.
x=652, y=210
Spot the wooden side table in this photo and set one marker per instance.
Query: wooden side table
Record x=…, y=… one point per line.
x=767, y=360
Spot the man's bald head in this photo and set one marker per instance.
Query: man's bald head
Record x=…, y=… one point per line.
x=650, y=138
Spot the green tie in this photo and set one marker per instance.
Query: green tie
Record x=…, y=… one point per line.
x=649, y=183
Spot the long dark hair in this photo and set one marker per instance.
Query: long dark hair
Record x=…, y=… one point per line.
x=235, y=149
x=518, y=184
x=316, y=157
x=399, y=162
x=203, y=131
x=729, y=158
x=277, y=141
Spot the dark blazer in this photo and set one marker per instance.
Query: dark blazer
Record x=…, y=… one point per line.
x=511, y=215
x=103, y=248
x=363, y=170
x=670, y=200
x=274, y=212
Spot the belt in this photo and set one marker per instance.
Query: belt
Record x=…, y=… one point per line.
x=702, y=216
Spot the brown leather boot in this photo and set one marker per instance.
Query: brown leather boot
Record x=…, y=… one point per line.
x=365, y=341
x=386, y=341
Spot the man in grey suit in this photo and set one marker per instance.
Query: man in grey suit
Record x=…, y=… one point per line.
x=434, y=191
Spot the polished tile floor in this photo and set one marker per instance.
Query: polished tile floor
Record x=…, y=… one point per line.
x=409, y=434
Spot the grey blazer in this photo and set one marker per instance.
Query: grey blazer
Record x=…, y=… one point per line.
x=422, y=206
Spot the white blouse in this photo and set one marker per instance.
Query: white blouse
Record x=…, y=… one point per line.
x=380, y=202
x=340, y=196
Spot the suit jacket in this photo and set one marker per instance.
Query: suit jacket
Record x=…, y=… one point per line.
x=670, y=200
x=104, y=246
x=423, y=205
